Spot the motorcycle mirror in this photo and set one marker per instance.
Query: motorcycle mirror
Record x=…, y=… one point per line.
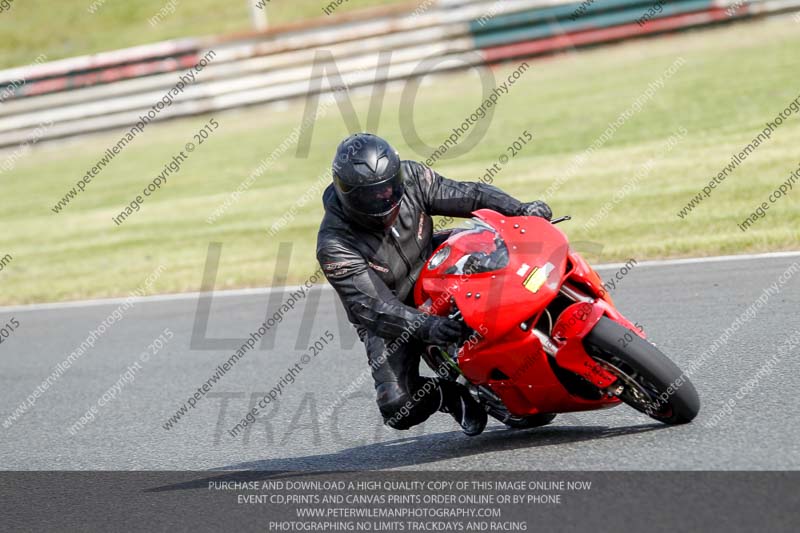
x=561, y=219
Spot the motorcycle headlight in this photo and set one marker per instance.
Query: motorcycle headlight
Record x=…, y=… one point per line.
x=438, y=258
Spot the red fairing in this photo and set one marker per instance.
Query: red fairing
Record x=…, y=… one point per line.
x=501, y=274
x=497, y=299
x=585, y=275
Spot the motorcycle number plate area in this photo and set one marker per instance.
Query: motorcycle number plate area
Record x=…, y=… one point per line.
x=538, y=277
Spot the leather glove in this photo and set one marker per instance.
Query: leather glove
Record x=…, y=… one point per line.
x=537, y=209
x=440, y=331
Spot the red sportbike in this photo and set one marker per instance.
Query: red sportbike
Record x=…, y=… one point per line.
x=548, y=338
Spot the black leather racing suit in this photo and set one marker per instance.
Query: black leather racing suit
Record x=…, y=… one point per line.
x=374, y=273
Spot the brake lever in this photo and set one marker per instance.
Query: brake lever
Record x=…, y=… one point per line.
x=561, y=219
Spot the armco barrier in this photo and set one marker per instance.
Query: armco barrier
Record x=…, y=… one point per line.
x=111, y=90
x=535, y=24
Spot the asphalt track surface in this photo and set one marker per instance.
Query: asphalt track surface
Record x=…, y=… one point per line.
x=683, y=307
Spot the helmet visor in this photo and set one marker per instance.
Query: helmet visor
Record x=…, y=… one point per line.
x=375, y=199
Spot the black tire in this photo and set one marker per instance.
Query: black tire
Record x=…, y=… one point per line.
x=638, y=362
x=528, y=422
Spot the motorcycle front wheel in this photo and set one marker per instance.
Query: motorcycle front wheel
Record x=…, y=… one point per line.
x=648, y=381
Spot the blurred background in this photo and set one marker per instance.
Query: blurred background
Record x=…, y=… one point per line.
x=633, y=107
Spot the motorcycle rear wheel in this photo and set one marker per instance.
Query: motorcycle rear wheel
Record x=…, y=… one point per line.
x=651, y=383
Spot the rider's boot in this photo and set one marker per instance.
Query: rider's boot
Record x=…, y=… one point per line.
x=459, y=403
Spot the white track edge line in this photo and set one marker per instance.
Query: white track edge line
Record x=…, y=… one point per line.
x=268, y=290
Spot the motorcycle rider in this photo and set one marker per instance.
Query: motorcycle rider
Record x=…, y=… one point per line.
x=374, y=239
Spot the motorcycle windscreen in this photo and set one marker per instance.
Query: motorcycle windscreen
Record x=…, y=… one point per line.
x=490, y=252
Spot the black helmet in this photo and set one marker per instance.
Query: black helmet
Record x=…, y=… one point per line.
x=368, y=180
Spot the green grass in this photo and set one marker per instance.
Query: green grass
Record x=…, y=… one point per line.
x=735, y=79
x=66, y=28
